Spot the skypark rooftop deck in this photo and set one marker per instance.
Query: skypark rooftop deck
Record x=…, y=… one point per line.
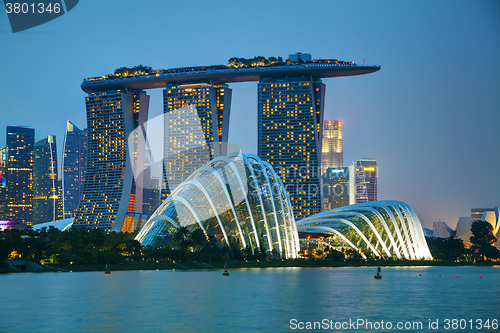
x=225, y=74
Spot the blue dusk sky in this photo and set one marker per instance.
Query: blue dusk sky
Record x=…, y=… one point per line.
x=430, y=116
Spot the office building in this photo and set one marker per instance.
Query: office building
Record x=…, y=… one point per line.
x=151, y=193
x=45, y=181
x=290, y=117
x=20, y=145
x=114, y=154
x=335, y=188
x=74, y=160
x=333, y=146
x=196, y=124
x=59, y=202
x=3, y=184
x=366, y=180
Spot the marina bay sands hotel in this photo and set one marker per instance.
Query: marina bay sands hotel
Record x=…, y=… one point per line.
x=197, y=102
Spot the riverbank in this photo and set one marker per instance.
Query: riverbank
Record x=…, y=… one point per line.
x=245, y=264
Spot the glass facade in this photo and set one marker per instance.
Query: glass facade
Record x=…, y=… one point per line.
x=46, y=200
x=20, y=145
x=366, y=180
x=237, y=198
x=74, y=162
x=3, y=184
x=384, y=229
x=290, y=114
x=335, y=188
x=332, y=153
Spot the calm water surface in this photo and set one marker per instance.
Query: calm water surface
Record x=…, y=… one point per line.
x=249, y=300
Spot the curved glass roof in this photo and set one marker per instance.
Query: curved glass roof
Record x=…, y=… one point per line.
x=384, y=228
x=237, y=198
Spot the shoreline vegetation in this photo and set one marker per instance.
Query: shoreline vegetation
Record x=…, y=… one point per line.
x=237, y=264
x=79, y=249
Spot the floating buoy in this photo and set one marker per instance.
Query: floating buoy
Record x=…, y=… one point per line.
x=439, y=275
x=457, y=275
x=107, y=271
x=377, y=276
x=419, y=274
x=480, y=277
x=226, y=273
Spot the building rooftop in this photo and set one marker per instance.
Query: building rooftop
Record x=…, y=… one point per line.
x=238, y=70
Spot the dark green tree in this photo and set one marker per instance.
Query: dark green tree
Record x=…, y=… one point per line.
x=353, y=255
x=180, y=237
x=482, y=240
x=335, y=255
x=198, y=239
x=447, y=249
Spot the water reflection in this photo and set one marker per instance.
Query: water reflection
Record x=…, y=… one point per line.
x=249, y=300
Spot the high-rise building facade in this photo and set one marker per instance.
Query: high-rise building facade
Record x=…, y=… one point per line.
x=196, y=122
x=114, y=153
x=335, y=188
x=196, y=126
x=20, y=145
x=366, y=180
x=45, y=181
x=290, y=117
x=3, y=184
x=74, y=161
x=333, y=146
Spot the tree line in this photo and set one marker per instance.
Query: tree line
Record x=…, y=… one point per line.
x=453, y=249
x=256, y=61
x=95, y=246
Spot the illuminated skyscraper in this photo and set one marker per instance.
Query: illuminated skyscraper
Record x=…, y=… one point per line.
x=333, y=146
x=196, y=124
x=3, y=183
x=45, y=182
x=20, y=142
x=290, y=114
x=366, y=180
x=109, y=189
x=73, y=167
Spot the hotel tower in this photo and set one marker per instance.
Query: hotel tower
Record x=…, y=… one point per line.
x=290, y=114
x=196, y=126
x=196, y=110
x=109, y=190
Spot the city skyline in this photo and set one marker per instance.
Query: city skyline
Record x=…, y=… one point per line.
x=414, y=117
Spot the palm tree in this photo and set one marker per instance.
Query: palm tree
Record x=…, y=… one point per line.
x=199, y=239
x=180, y=236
